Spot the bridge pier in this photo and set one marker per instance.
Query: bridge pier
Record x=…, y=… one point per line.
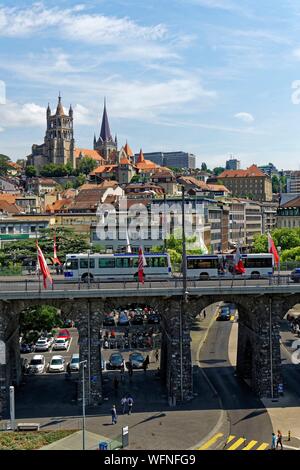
x=177, y=352
x=258, y=355
x=89, y=323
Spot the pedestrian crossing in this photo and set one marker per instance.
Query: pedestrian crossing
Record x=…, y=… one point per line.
x=233, y=443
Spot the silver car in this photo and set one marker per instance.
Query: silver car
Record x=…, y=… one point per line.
x=74, y=363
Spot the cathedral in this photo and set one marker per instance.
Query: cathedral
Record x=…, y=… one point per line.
x=59, y=144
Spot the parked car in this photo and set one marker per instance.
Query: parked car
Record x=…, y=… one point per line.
x=60, y=343
x=42, y=344
x=136, y=360
x=26, y=348
x=109, y=321
x=37, y=364
x=64, y=334
x=74, y=363
x=295, y=275
x=115, y=361
x=138, y=319
x=123, y=319
x=57, y=364
x=153, y=318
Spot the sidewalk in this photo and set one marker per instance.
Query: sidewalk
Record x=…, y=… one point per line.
x=283, y=415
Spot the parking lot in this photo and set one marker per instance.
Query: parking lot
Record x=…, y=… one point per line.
x=50, y=394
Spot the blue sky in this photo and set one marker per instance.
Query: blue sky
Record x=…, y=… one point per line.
x=212, y=77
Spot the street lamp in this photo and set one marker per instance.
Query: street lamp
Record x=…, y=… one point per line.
x=89, y=252
x=83, y=364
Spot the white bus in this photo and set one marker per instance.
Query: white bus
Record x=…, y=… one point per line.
x=257, y=265
x=123, y=266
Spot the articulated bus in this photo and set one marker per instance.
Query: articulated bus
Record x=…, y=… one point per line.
x=123, y=266
x=203, y=267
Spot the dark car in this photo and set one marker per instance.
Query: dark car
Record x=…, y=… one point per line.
x=26, y=348
x=138, y=319
x=295, y=275
x=109, y=321
x=68, y=323
x=153, y=318
x=115, y=361
x=136, y=360
x=224, y=315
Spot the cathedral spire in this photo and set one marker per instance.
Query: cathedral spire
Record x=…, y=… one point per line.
x=59, y=109
x=105, y=134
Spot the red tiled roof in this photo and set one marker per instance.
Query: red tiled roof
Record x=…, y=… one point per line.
x=89, y=153
x=252, y=171
x=128, y=150
x=9, y=208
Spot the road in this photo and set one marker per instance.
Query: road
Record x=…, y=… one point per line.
x=248, y=423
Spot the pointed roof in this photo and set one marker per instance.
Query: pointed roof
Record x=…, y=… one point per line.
x=59, y=109
x=128, y=150
x=105, y=134
x=141, y=157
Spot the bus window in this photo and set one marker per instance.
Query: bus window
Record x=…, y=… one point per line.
x=84, y=263
x=163, y=262
x=135, y=262
x=92, y=263
x=106, y=263
x=72, y=264
x=122, y=262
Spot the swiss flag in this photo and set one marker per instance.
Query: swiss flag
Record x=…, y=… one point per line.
x=43, y=266
x=56, y=260
x=238, y=263
x=141, y=264
x=272, y=249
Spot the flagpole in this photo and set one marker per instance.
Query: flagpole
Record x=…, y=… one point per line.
x=37, y=261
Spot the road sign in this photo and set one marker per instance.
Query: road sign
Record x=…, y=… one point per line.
x=280, y=389
x=2, y=353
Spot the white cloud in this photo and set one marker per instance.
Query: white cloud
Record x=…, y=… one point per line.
x=26, y=115
x=246, y=117
x=74, y=24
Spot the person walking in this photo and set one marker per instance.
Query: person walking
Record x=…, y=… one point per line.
x=279, y=439
x=124, y=404
x=130, y=371
x=273, y=444
x=156, y=355
x=129, y=404
x=145, y=365
x=114, y=416
x=122, y=374
x=204, y=314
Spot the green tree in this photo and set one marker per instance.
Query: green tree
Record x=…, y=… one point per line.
x=30, y=171
x=4, y=164
x=80, y=180
x=87, y=165
x=218, y=170
x=38, y=319
x=174, y=248
x=275, y=184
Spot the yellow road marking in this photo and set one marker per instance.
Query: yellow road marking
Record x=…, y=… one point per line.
x=211, y=441
x=250, y=445
x=237, y=443
x=263, y=446
x=230, y=438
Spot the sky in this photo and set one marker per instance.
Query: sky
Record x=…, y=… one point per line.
x=212, y=77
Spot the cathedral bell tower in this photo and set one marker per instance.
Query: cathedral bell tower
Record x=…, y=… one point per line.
x=59, y=138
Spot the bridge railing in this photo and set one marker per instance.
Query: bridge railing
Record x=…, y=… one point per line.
x=32, y=285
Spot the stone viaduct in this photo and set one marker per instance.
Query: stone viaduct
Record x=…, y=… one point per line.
x=258, y=356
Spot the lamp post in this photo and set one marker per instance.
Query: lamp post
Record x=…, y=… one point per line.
x=279, y=252
x=83, y=366
x=271, y=346
x=89, y=280
x=184, y=297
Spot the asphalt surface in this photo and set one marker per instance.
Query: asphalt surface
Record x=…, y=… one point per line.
x=246, y=415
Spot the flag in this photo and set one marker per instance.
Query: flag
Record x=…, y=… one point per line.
x=43, y=266
x=55, y=258
x=272, y=249
x=141, y=264
x=128, y=247
x=238, y=263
